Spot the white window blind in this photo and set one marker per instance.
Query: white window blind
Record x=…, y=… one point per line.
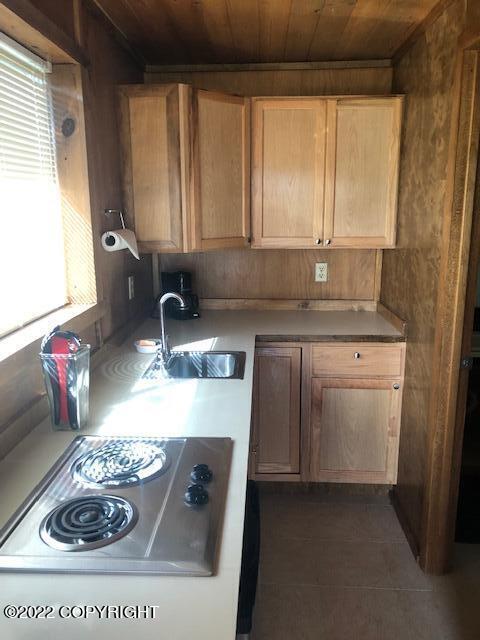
x=32, y=258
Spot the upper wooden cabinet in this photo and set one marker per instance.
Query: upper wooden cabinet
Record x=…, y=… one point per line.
x=363, y=148
x=325, y=171
x=221, y=142
x=185, y=167
x=288, y=171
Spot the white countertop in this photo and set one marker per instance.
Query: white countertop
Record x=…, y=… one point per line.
x=204, y=608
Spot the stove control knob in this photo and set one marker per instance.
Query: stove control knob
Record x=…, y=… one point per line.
x=196, y=494
x=201, y=473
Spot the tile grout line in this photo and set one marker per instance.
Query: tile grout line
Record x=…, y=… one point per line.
x=345, y=587
x=339, y=540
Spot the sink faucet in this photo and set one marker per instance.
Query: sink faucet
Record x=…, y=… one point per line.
x=164, y=352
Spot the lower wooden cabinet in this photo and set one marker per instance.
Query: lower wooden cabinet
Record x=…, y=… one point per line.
x=355, y=426
x=275, y=439
x=327, y=412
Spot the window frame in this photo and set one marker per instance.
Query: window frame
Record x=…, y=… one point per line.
x=84, y=305
x=28, y=164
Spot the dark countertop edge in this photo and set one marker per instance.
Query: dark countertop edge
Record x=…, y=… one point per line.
x=329, y=338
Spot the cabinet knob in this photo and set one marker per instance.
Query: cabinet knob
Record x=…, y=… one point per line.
x=328, y=241
x=318, y=241
x=356, y=355
x=396, y=386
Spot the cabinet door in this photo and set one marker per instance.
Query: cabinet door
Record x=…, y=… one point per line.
x=288, y=170
x=362, y=171
x=152, y=175
x=275, y=446
x=355, y=430
x=221, y=141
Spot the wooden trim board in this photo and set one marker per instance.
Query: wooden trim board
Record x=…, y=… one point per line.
x=80, y=228
x=276, y=477
x=378, y=274
x=392, y=318
x=441, y=489
x=252, y=304
x=23, y=22
x=269, y=66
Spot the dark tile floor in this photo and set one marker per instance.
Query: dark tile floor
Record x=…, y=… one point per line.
x=342, y=570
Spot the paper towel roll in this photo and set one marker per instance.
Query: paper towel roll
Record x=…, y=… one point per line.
x=120, y=239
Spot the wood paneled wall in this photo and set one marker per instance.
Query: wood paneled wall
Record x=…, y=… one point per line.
x=285, y=82
x=21, y=400
x=278, y=274
x=282, y=274
x=110, y=66
x=410, y=276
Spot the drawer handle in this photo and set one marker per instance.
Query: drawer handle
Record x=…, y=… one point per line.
x=318, y=241
x=327, y=242
x=356, y=355
x=396, y=386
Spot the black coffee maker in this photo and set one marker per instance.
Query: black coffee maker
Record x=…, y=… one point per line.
x=178, y=282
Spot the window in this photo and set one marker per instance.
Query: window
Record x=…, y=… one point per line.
x=32, y=255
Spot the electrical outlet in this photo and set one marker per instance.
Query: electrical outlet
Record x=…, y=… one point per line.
x=321, y=272
x=131, y=287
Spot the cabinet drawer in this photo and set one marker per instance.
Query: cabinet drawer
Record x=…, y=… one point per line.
x=357, y=359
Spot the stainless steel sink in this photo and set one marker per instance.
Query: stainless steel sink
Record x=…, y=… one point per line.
x=199, y=364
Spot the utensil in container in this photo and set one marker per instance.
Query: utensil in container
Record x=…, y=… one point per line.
x=66, y=364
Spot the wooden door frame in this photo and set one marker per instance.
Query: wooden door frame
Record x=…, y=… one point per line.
x=445, y=418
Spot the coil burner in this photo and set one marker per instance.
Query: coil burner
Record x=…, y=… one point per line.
x=121, y=463
x=88, y=522
x=140, y=504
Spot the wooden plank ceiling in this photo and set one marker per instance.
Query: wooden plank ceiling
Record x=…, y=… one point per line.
x=249, y=31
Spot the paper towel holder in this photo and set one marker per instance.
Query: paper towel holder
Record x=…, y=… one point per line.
x=107, y=212
x=118, y=239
